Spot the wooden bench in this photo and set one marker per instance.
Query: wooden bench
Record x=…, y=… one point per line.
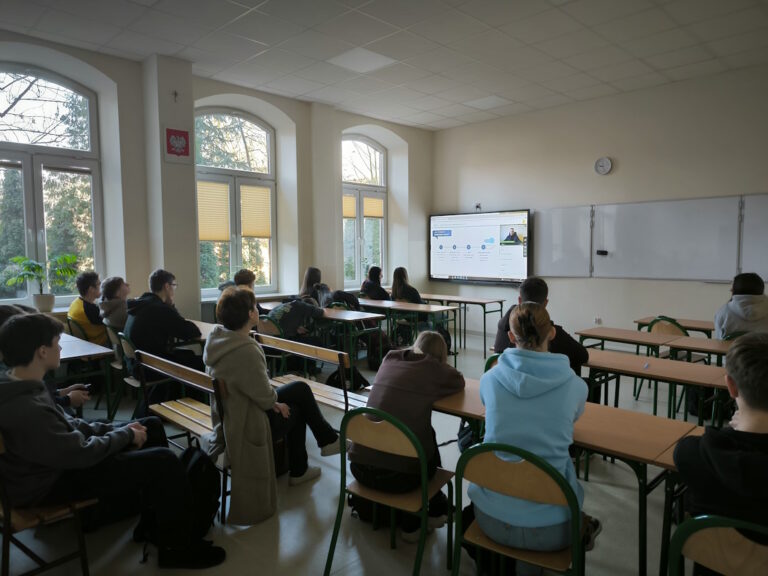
x=15, y=520
x=324, y=394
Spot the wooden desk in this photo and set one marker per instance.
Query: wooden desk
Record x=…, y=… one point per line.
x=465, y=403
x=73, y=348
x=665, y=459
x=648, y=339
x=688, y=344
x=463, y=302
x=704, y=326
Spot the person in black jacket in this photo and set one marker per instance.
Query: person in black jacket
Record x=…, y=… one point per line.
x=536, y=290
x=727, y=470
x=401, y=290
x=371, y=287
x=155, y=326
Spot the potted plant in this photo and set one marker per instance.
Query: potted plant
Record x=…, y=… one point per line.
x=59, y=270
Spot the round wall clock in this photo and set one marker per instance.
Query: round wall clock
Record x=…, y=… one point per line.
x=603, y=165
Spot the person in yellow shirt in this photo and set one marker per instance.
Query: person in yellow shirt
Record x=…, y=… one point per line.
x=85, y=311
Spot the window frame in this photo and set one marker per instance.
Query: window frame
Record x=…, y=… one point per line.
x=33, y=157
x=360, y=191
x=235, y=178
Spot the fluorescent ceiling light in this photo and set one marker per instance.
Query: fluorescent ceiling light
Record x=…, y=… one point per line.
x=361, y=60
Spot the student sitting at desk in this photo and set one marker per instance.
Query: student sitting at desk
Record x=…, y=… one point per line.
x=727, y=470
x=85, y=312
x=747, y=310
x=114, y=302
x=255, y=413
x=401, y=290
x=407, y=384
x=535, y=289
x=532, y=399
x=371, y=287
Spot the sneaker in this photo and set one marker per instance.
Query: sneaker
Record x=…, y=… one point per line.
x=410, y=537
x=311, y=473
x=192, y=557
x=594, y=527
x=331, y=449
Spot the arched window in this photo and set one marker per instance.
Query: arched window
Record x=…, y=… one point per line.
x=234, y=154
x=50, y=185
x=364, y=207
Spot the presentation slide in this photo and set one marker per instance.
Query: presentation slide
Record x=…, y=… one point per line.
x=479, y=247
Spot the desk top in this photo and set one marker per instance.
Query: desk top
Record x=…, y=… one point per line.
x=349, y=316
x=461, y=299
x=405, y=306
x=666, y=460
x=73, y=348
x=658, y=368
x=706, y=345
x=627, y=336
x=204, y=327
x=688, y=324
x=465, y=403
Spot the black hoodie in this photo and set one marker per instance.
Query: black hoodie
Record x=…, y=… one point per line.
x=727, y=474
x=154, y=326
x=41, y=441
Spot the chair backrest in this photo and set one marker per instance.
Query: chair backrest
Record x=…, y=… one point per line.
x=383, y=434
x=302, y=349
x=114, y=339
x=342, y=305
x=129, y=350
x=185, y=375
x=75, y=329
x=666, y=325
x=269, y=326
x=717, y=543
x=733, y=335
x=493, y=359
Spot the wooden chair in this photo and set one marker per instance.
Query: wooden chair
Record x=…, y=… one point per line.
x=388, y=434
x=719, y=544
x=129, y=361
x=529, y=478
x=76, y=330
x=492, y=360
x=15, y=520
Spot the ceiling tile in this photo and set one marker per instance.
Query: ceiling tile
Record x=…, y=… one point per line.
x=500, y=12
x=730, y=25
x=364, y=85
x=462, y=93
x=432, y=84
x=68, y=40
x=511, y=109
x=593, y=12
x=587, y=93
x=403, y=13
x=167, y=27
x=489, y=44
x=543, y=26
x=568, y=83
x=361, y=60
x=114, y=12
x=262, y=28
x=145, y=2
x=636, y=26
x=524, y=57
x=205, y=59
x=423, y=117
x=402, y=45
x=356, y=28
x=740, y=43
x=488, y=102
x=316, y=45
x=571, y=44
x=306, y=13
x=399, y=73
x=76, y=27
x=439, y=60
x=293, y=85
x=639, y=82
x=528, y=93
x=679, y=57
x=136, y=43
x=598, y=58
x=209, y=13
x=230, y=46
x=448, y=26
x=331, y=94
x=689, y=11
x=446, y=123
x=477, y=116
x=400, y=94
x=454, y=110
x=246, y=74
x=623, y=70
x=749, y=58
x=20, y=13
x=280, y=61
x=325, y=73
x=546, y=71
x=659, y=43
x=549, y=101
x=697, y=69
x=471, y=72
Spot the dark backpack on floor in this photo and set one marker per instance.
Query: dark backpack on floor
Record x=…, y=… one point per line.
x=373, y=349
x=443, y=331
x=360, y=381
x=204, y=487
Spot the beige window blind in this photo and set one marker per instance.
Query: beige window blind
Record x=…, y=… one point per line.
x=373, y=207
x=213, y=211
x=349, y=207
x=256, y=211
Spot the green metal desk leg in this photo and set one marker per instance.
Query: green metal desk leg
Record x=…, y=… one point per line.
x=641, y=471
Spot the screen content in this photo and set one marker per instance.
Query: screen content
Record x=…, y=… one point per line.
x=479, y=247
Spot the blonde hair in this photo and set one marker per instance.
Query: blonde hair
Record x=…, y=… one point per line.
x=431, y=344
x=530, y=324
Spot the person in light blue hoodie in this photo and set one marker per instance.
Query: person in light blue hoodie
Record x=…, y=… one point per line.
x=532, y=399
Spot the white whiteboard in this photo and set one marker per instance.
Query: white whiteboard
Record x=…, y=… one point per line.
x=694, y=239
x=754, y=235
x=562, y=241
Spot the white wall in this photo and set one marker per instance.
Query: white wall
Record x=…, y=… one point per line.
x=702, y=137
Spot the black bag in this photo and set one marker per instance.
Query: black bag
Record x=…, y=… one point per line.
x=373, y=349
x=362, y=509
x=349, y=299
x=322, y=294
x=204, y=487
x=465, y=436
x=403, y=335
x=359, y=382
x=443, y=331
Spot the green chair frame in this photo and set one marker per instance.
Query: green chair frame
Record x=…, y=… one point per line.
x=689, y=528
x=491, y=361
x=409, y=445
x=547, y=473
x=76, y=330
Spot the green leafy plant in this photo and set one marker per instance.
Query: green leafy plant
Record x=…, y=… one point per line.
x=58, y=271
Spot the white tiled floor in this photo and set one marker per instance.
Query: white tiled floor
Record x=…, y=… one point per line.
x=295, y=541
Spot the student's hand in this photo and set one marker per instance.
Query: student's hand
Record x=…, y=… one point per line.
x=139, y=434
x=78, y=397
x=283, y=409
x=302, y=330
x=68, y=389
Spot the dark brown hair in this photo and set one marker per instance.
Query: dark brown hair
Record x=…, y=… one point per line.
x=312, y=276
x=747, y=363
x=244, y=277
x=530, y=323
x=110, y=286
x=85, y=280
x=399, y=282
x=234, y=307
x=22, y=334
x=748, y=283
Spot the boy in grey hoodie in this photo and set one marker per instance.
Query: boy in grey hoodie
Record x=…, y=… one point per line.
x=747, y=310
x=52, y=458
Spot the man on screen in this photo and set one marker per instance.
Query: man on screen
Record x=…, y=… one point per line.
x=512, y=237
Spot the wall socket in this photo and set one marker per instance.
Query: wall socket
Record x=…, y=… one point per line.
x=598, y=320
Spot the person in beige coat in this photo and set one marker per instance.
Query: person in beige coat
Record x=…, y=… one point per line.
x=254, y=413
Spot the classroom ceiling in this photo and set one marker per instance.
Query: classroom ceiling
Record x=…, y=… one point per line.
x=430, y=63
